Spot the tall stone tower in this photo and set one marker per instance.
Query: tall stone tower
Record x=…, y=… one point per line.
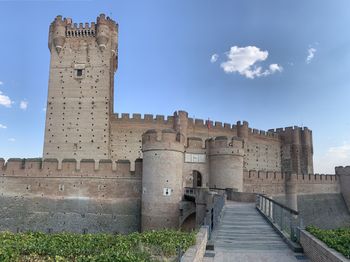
x=80, y=96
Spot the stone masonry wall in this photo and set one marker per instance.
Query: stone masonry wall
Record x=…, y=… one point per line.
x=262, y=150
x=38, y=196
x=273, y=183
x=80, y=93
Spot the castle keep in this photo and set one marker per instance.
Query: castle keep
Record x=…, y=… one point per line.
x=103, y=171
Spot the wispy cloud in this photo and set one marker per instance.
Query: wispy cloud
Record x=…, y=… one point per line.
x=44, y=109
x=3, y=126
x=1, y=83
x=23, y=105
x=5, y=100
x=244, y=60
x=334, y=156
x=310, y=54
x=214, y=58
x=12, y=139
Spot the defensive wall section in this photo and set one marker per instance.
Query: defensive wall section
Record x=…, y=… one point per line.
x=274, y=150
x=344, y=175
x=102, y=196
x=273, y=183
x=75, y=196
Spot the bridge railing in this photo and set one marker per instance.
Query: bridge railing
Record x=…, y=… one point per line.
x=286, y=220
x=213, y=214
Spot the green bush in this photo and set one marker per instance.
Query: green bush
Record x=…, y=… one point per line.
x=64, y=247
x=338, y=239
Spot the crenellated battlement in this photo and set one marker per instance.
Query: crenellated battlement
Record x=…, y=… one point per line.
x=288, y=129
x=81, y=30
x=104, y=30
x=166, y=138
x=223, y=145
x=340, y=170
x=253, y=176
x=193, y=124
x=38, y=167
x=146, y=118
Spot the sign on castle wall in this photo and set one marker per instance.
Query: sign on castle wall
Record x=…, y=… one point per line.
x=194, y=158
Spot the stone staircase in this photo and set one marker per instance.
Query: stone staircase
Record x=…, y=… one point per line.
x=244, y=235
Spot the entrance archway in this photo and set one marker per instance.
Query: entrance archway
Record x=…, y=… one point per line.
x=197, y=179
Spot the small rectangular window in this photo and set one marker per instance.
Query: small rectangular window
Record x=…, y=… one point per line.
x=79, y=72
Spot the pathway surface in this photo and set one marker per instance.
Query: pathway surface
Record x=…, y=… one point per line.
x=243, y=235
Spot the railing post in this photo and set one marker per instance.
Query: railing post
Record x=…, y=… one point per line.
x=281, y=219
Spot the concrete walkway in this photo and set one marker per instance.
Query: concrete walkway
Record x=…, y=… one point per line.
x=243, y=235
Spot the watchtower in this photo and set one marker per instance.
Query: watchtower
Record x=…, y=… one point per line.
x=80, y=96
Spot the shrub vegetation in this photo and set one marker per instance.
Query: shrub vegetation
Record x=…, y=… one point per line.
x=338, y=239
x=64, y=247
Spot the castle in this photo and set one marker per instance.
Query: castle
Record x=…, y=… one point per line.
x=103, y=171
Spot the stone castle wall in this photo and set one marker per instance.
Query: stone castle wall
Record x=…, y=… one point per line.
x=344, y=175
x=262, y=149
x=273, y=183
x=89, y=196
x=78, y=197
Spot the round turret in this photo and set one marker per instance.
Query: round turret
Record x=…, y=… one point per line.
x=242, y=129
x=57, y=34
x=296, y=135
x=307, y=137
x=226, y=162
x=102, y=32
x=163, y=157
x=291, y=184
x=181, y=123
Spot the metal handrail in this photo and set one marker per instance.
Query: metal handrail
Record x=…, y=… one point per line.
x=285, y=219
x=294, y=212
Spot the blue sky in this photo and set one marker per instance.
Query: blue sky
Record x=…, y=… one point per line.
x=272, y=63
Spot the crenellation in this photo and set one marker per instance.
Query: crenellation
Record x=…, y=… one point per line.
x=49, y=168
x=148, y=117
x=125, y=116
x=228, y=126
x=123, y=167
x=218, y=124
x=160, y=119
x=136, y=116
x=199, y=122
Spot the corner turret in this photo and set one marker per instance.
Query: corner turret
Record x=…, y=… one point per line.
x=57, y=34
x=181, y=123
x=297, y=151
x=242, y=129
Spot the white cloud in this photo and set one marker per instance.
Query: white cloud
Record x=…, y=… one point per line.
x=334, y=156
x=23, y=105
x=5, y=100
x=1, y=83
x=310, y=54
x=214, y=58
x=3, y=126
x=12, y=139
x=44, y=109
x=243, y=60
